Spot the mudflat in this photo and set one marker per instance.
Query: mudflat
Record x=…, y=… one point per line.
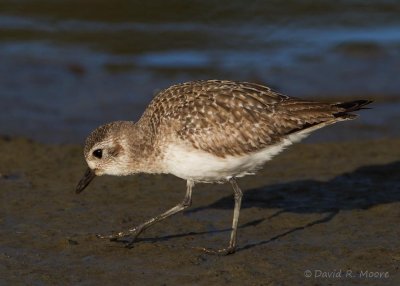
x=317, y=214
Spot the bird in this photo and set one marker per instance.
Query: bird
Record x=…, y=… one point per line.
x=206, y=131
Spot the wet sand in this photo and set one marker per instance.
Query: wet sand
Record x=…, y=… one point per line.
x=326, y=207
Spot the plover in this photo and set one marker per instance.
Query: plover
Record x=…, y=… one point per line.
x=206, y=132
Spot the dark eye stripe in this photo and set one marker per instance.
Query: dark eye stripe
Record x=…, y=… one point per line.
x=98, y=153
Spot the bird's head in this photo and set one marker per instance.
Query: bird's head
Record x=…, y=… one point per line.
x=105, y=152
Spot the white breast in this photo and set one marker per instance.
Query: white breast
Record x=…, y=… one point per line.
x=187, y=162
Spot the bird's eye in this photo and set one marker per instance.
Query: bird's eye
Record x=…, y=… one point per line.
x=98, y=153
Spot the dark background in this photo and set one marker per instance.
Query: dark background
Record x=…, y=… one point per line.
x=68, y=66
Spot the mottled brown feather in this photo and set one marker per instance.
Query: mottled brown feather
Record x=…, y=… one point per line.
x=233, y=118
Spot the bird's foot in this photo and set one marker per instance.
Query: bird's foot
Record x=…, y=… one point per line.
x=113, y=236
x=221, y=252
x=126, y=237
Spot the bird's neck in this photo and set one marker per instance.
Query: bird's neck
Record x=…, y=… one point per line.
x=142, y=149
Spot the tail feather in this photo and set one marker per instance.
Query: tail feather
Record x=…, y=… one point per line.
x=351, y=106
x=314, y=115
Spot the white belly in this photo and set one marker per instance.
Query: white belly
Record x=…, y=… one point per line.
x=189, y=163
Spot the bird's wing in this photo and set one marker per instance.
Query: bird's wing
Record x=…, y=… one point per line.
x=233, y=118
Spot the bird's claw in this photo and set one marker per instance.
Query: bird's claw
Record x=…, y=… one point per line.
x=221, y=252
x=111, y=237
x=128, y=237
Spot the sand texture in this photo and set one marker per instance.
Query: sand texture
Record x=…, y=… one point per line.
x=318, y=207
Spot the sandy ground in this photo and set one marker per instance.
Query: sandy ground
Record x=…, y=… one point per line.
x=318, y=207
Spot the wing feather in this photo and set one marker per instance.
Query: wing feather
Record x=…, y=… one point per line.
x=233, y=118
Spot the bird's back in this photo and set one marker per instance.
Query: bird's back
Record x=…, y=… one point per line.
x=234, y=118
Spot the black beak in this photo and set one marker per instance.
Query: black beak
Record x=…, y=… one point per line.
x=85, y=181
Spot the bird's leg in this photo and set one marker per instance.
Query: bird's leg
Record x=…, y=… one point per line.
x=232, y=243
x=134, y=232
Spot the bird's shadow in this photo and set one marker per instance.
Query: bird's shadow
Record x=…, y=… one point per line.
x=361, y=189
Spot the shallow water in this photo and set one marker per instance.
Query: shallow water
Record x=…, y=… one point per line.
x=68, y=66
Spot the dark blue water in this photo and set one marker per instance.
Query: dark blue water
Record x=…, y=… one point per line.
x=68, y=66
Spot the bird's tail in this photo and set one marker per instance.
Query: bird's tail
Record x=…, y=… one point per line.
x=346, y=107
